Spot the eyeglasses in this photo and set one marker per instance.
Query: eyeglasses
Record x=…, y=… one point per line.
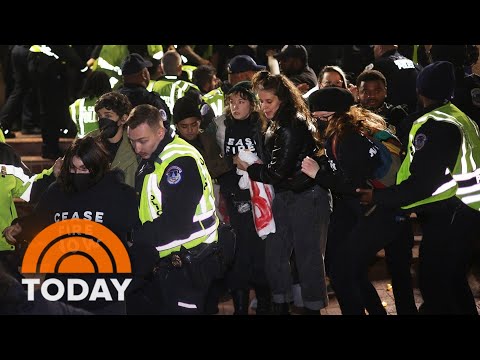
x=338, y=83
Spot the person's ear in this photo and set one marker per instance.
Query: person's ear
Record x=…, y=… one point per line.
x=123, y=120
x=161, y=131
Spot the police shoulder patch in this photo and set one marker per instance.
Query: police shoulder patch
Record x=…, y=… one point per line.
x=174, y=175
x=163, y=114
x=419, y=141
x=475, y=96
x=204, y=109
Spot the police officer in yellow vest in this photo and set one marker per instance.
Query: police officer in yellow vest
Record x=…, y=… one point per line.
x=108, y=58
x=175, y=246
x=16, y=181
x=82, y=110
x=171, y=87
x=439, y=179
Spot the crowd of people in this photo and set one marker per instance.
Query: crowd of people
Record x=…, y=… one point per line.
x=220, y=175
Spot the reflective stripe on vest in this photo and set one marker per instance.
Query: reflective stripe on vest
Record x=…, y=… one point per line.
x=189, y=70
x=170, y=90
x=27, y=181
x=83, y=114
x=155, y=51
x=215, y=99
x=205, y=221
x=415, y=54
x=104, y=64
x=110, y=60
x=464, y=180
x=43, y=49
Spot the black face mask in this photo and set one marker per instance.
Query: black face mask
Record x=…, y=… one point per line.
x=108, y=128
x=82, y=182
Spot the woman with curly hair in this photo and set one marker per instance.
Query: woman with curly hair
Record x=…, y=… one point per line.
x=290, y=136
x=354, y=158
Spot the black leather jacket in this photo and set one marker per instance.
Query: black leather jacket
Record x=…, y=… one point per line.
x=287, y=142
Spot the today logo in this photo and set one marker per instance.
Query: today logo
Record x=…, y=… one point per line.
x=72, y=247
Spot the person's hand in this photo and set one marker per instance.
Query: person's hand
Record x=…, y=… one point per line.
x=271, y=52
x=57, y=166
x=310, y=167
x=366, y=196
x=242, y=165
x=10, y=232
x=303, y=87
x=90, y=62
x=354, y=90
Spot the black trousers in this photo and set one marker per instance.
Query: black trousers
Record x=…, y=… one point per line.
x=50, y=85
x=19, y=103
x=174, y=290
x=354, y=240
x=449, y=229
x=248, y=267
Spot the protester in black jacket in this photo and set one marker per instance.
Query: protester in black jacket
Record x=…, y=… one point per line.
x=357, y=232
x=243, y=132
x=290, y=136
x=85, y=189
x=135, y=81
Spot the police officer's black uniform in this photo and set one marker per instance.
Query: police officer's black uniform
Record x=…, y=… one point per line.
x=401, y=74
x=446, y=224
x=50, y=81
x=138, y=95
x=161, y=282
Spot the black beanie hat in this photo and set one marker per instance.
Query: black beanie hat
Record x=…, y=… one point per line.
x=184, y=108
x=333, y=99
x=244, y=88
x=437, y=81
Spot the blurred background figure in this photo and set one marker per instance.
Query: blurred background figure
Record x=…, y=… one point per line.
x=293, y=60
x=82, y=110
